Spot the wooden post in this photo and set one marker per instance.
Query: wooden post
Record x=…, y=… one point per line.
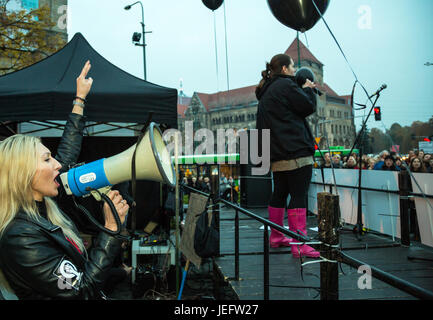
x=329, y=221
x=403, y=182
x=176, y=164
x=266, y=262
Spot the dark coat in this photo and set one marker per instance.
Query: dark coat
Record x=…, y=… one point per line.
x=283, y=107
x=35, y=255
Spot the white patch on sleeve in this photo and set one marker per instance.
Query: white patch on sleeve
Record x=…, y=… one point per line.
x=68, y=275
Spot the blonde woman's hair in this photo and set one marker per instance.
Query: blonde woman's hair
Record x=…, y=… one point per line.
x=18, y=163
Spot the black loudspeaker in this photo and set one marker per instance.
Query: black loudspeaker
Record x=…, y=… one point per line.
x=255, y=190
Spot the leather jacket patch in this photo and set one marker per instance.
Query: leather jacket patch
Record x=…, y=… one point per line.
x=68, y=275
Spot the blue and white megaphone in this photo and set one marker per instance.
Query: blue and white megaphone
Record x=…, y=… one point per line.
x=152, y=162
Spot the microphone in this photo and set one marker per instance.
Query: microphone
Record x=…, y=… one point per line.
x=317, y=91
x=383, y=87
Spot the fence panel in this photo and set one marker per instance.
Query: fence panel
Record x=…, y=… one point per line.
x=380, y=210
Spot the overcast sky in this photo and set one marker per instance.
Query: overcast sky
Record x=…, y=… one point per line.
x=385, y=41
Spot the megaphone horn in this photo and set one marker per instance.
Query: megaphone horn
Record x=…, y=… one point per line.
x=152, y=162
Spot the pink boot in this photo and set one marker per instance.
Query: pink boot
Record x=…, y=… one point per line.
x=277, y=239
x=298, y=223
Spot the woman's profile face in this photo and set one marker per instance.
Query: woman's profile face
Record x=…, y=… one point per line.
x=291, y=69
x=44, y=183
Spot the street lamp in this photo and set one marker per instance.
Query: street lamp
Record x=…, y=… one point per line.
x=136, y=37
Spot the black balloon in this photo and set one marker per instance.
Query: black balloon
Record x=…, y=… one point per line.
x=213, y=4
x=300, y=15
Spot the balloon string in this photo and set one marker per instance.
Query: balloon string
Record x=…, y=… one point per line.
x=227, y=58
x=369, y=98
x=306, y=39
x=216, y=50
x=341, y=50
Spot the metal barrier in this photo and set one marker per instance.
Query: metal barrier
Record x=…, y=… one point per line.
x=327, y=243
x=266, y=224
x=404, y=192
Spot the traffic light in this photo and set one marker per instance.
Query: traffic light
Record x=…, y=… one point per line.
x=377, y=114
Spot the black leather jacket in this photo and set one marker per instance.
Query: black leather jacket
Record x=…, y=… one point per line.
x=36, y=258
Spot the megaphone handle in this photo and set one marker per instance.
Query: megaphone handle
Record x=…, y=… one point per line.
x=114, y=211
x=95, y=222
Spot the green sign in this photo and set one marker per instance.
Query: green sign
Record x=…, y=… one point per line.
x=207, y=158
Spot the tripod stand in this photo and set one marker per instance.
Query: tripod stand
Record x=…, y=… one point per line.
x=359, y=142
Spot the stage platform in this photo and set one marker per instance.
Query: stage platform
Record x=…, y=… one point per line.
x=288, y=282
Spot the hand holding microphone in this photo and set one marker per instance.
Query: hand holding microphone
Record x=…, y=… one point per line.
x=309, y=84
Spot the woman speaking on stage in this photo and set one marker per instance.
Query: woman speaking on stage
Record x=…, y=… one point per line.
x=283, y=108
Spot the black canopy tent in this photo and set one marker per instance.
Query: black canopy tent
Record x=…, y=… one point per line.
x=44, y=91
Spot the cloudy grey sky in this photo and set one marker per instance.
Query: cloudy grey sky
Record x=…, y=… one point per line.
x=385, y=41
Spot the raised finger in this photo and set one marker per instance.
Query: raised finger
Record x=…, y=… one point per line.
x=85, y=69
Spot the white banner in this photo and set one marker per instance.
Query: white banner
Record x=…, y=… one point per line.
x=424, y=212
x=426, y=146
x=380, y=210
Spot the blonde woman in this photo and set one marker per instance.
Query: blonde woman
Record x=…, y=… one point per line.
x=371, y=163
x=41, y=253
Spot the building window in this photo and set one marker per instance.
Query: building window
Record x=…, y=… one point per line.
x=332, y=128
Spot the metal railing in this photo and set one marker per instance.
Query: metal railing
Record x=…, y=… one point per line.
x=398, y=283
x=403, y=191
x=267, y=224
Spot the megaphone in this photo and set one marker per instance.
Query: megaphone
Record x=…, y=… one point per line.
x=152, y=162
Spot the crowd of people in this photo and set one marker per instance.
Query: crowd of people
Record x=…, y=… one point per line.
x=416, y=161
x=202, y=183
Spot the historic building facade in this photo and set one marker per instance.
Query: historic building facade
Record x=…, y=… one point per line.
x=236, y=109
x=58, y=14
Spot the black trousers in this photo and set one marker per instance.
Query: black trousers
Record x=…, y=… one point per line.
x=295, y=183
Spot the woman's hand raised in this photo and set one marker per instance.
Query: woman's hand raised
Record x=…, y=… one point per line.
x=83, y=84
